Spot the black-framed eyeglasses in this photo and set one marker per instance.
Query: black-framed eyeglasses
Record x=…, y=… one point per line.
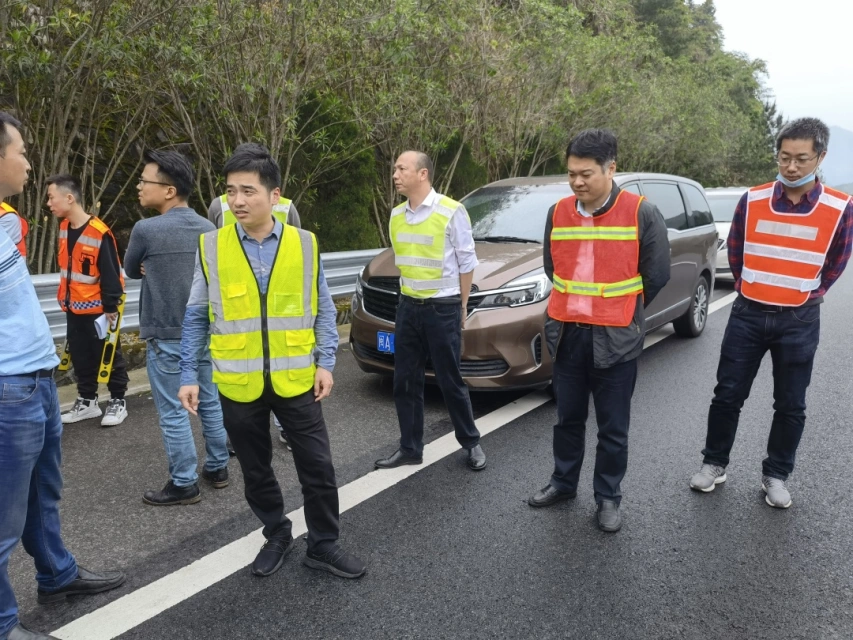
x=797, y=162
x=165, y=184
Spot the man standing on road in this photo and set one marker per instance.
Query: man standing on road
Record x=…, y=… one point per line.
x=259, y=291
x=220, y=214
x=789, y=242
x=607, y=253
x=90, y=284
x=434, y=250
x=30, y=426
x=162, y=252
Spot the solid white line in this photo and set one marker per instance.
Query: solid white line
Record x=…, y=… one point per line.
x=145, y=603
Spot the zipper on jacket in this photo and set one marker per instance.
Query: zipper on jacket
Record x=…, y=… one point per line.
x=264, y=333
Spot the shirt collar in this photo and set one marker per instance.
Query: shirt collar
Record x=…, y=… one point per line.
x=428, y=201
x=607, y=203
x=811, y=196
x=276, y=231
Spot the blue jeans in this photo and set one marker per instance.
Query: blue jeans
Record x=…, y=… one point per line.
x=791, y=335
x=30, y=456
x=164, y=374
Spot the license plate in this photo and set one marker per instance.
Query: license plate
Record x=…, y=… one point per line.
x=385, y=342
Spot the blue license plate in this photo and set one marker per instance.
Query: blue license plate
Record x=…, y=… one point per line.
x=385, y=341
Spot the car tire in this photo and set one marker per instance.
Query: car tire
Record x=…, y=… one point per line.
x=693, y=322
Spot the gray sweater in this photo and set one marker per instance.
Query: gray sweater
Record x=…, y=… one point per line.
x=167, y=245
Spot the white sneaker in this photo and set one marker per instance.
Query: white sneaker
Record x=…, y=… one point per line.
x=776, y=493
x=708, y=477
x=115, y=414
x=82, y=410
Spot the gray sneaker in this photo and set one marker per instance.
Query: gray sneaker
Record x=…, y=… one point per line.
x=709, y=476
x=777, y=495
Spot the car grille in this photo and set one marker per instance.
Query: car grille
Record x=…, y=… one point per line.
x=470, y=368
x=381, y=296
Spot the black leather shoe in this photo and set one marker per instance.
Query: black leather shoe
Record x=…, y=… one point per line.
x=271, y=556
x=171, y=495
x=22, y=633
x=476, y=458
x=86, y=584
x=609, y=516
x=337, y=562
x=397, y=459
x=218, y=478
x=548, y=496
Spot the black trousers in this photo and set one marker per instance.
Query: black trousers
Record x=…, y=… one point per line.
x=431, y=331
x=86, y=349
x=574, y=379
x=248, y=426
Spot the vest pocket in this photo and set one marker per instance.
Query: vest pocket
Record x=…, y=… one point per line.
x=287, y=304
x=237, y=304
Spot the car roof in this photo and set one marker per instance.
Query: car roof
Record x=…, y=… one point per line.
x=725, y=191
x=620, y=178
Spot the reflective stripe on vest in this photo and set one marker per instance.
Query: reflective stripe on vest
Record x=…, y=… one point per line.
x=419, y=249
x=241, y=349
x=784, y=253
x=21, y=245
x=280, y=210
x=596, y=261
x=78, y=291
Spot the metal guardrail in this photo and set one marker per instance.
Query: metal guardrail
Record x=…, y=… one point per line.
x=340, y=268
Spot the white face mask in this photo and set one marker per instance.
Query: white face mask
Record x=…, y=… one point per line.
x=797, y=183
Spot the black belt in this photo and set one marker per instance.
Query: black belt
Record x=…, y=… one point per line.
x=41, y=373
x=580, y=325
x=445, y=300
x=772, y=308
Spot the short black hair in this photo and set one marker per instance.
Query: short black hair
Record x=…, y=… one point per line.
x=424, y=162
x=174, y=166
x=805, y=129
x=69, y=183
x=7, y=119
x=255, y=158
x=598, y=144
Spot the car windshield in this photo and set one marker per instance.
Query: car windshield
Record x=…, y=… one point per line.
x=723, y=206
x=513, y=212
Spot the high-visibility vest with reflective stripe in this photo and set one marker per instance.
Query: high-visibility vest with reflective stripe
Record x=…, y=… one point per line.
x=253, y=333
x=784, y=253
x=596, y=263
x=80, y=282
x=280, y=210
x=6, y=209
x=419, y=249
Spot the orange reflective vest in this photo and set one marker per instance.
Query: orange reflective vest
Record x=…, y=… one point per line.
x=784, y=253
x=596, y=263
x=80, y=284
x=22, y=245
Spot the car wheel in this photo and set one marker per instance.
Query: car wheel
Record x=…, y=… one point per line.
x=692, y=323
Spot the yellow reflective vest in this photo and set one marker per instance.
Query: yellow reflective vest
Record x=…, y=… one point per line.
x=419, y=249
x=280, y=210
x=255, y=334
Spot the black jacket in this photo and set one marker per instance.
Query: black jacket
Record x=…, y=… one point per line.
x=612, y=345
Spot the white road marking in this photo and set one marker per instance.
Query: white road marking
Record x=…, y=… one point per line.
x=145, y=603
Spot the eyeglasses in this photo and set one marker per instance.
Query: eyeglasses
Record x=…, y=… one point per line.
x=797, y=162
x=165, y=184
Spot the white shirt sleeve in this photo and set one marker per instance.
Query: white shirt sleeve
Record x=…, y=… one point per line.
x=462, y=240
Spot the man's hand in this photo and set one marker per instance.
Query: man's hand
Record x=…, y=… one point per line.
x=188, y=395
x=112, y=317
x=323, y=382
x=142, y=268
x=464, y=313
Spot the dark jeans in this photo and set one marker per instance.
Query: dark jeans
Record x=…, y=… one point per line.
x=574, y=379
x=431, y=331
x=248, y=426
x=86, y=349
x=792, y=337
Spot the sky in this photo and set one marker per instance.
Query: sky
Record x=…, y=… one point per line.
x=808, y=48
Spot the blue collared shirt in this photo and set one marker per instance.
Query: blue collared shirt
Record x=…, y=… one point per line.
x=261, y=257
x=25, y=342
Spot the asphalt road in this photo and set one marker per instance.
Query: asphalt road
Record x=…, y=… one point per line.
x=453, y=553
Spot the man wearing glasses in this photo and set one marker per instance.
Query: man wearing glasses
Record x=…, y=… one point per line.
x=789, y=242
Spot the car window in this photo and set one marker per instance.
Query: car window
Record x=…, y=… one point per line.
x=513, y=211
x=723, y=206
x=667, y=198
x=633, y=188
x=700, y=212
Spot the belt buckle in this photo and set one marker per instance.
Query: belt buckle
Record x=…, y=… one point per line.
x=583, y=325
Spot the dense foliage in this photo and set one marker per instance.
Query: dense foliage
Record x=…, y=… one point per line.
x=337, y=88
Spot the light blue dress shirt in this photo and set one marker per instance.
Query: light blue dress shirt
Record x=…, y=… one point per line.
x=261, y=257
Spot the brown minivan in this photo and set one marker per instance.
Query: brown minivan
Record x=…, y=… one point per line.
x=503, y=335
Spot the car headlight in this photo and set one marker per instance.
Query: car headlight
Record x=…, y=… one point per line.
x=359, y=291
x=529, y=288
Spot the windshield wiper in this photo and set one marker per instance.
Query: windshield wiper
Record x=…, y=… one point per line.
x=505, y=239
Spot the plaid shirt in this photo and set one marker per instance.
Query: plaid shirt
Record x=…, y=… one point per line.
x=839, y=249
